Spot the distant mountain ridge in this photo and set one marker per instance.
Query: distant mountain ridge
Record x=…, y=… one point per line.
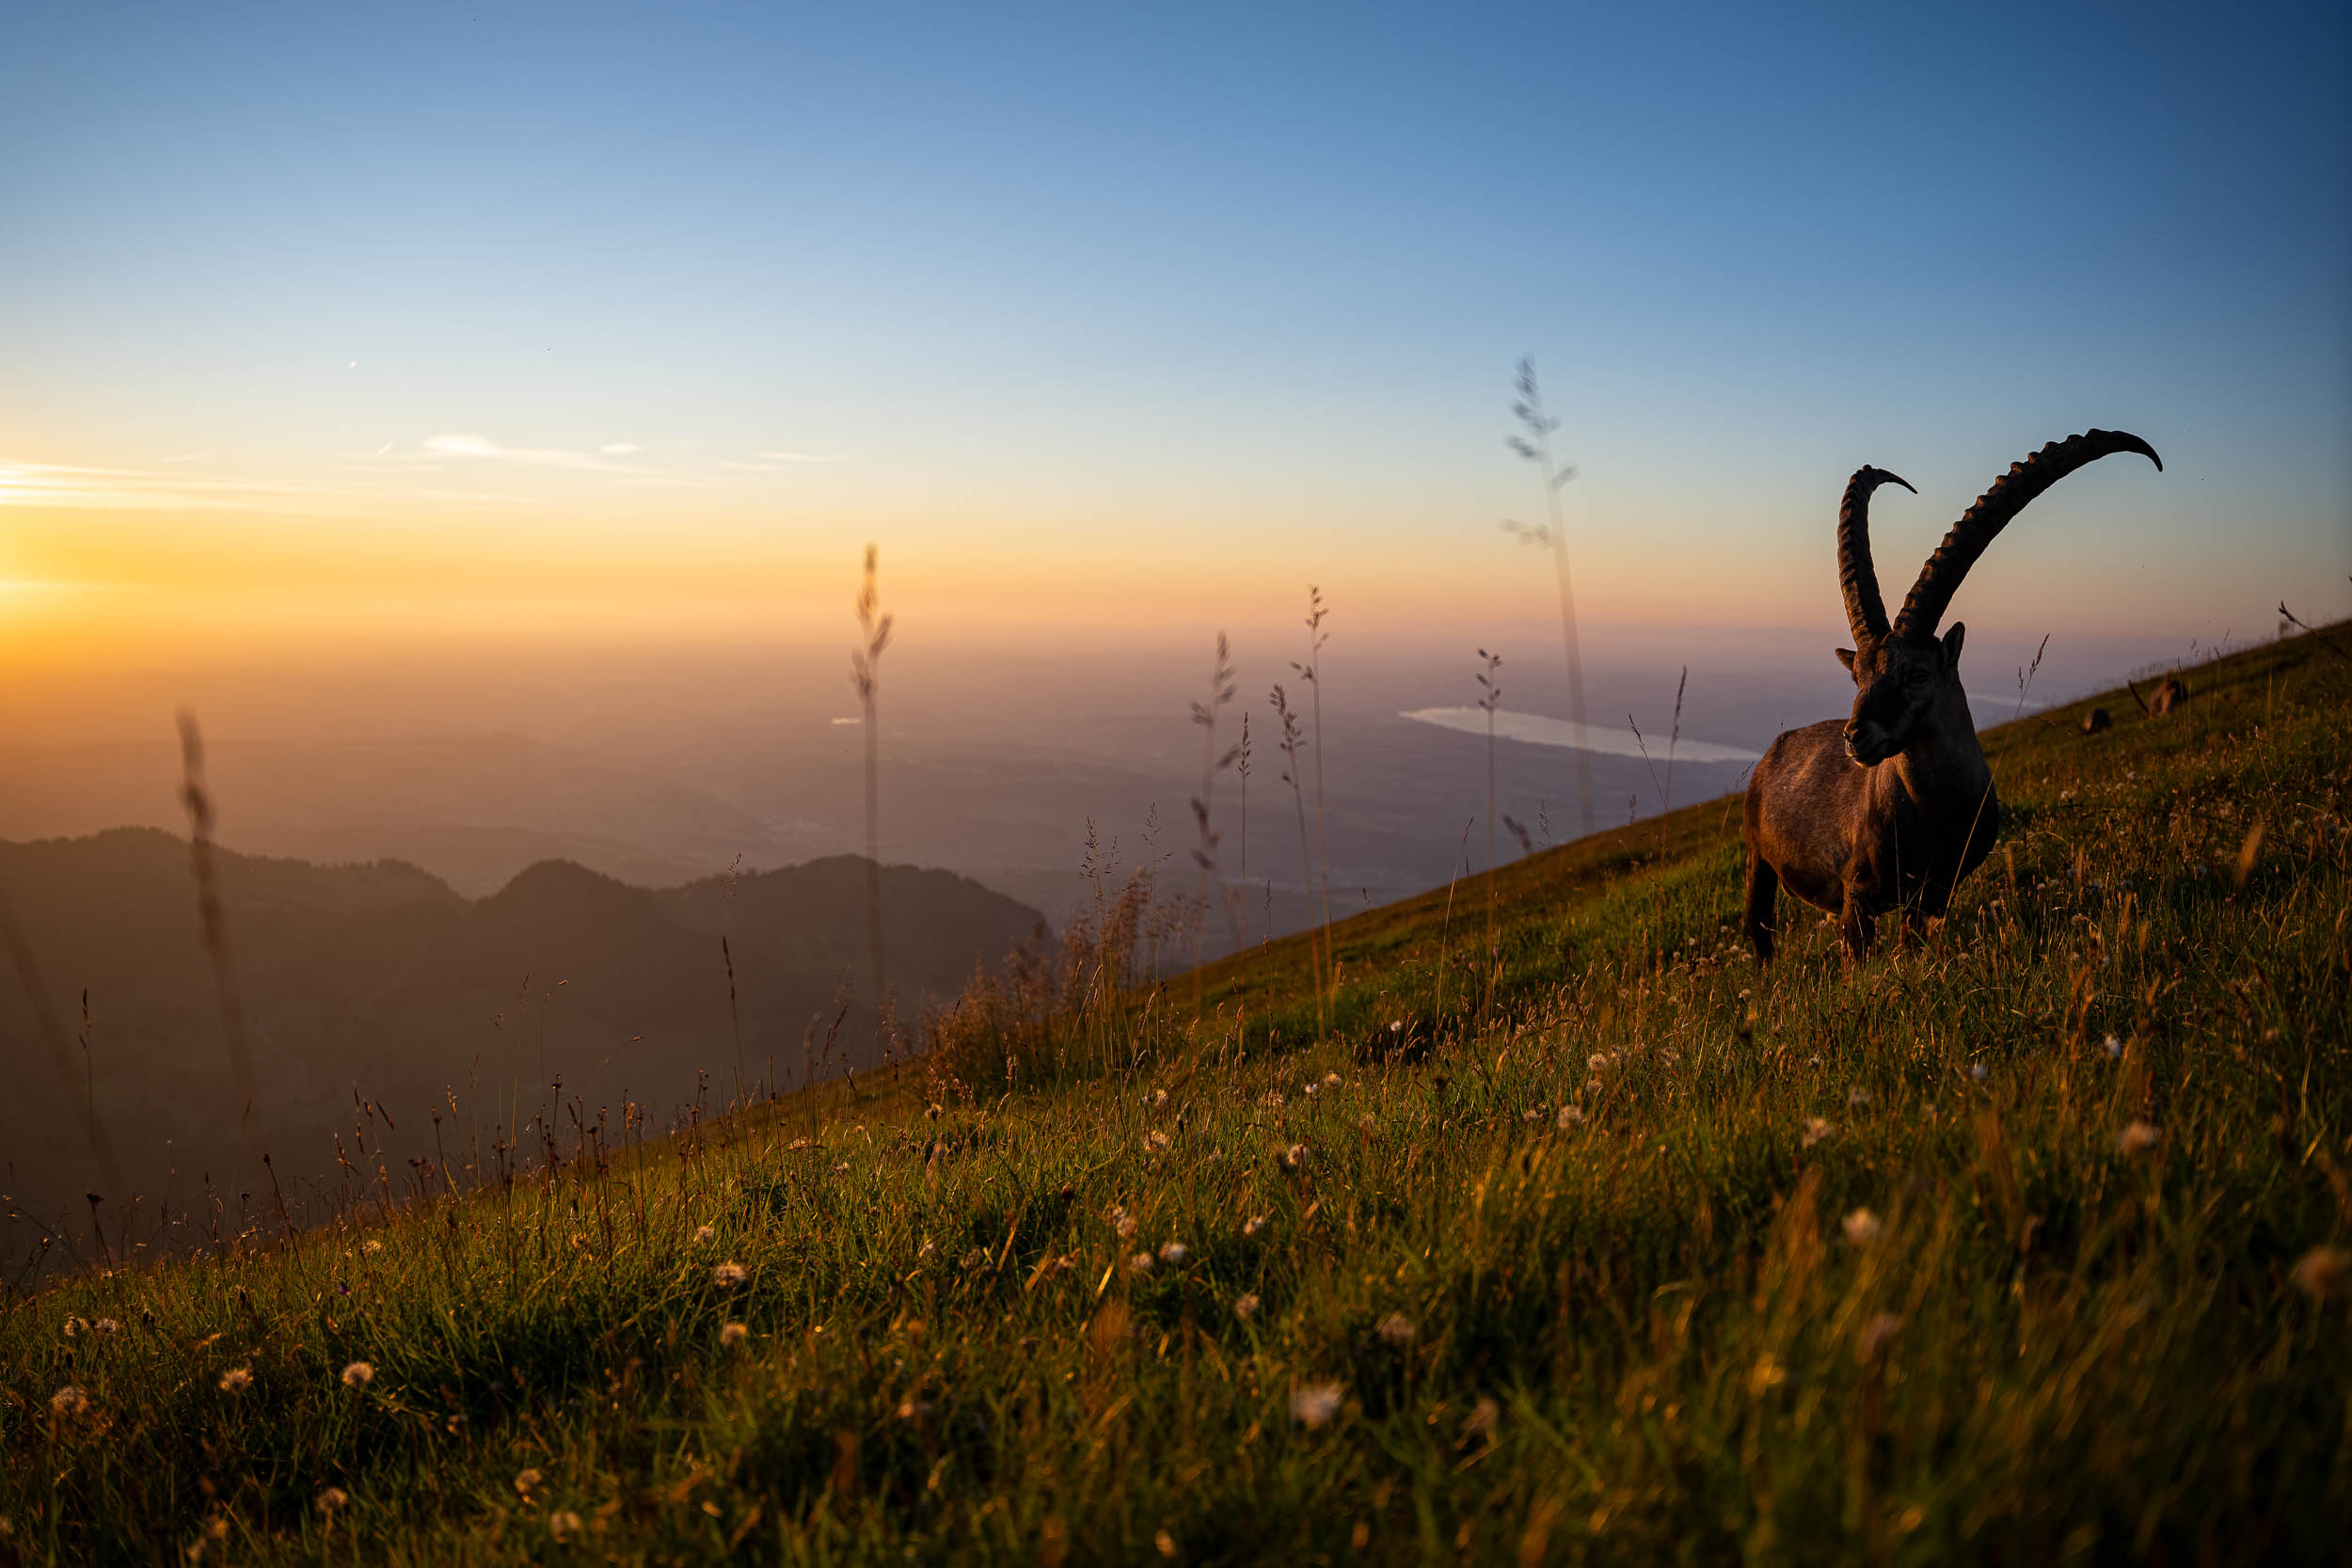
x=378, y=982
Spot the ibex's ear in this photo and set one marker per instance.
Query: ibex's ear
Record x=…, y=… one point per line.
x=1845, y=657
x=1953, y=640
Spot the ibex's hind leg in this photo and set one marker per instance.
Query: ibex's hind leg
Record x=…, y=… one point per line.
x=1763, y=897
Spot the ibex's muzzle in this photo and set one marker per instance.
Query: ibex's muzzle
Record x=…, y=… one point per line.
x=1866, y=742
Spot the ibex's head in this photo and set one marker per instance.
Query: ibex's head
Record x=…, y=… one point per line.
x=1904, y=672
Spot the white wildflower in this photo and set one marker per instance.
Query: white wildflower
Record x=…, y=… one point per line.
x=1172, y=1253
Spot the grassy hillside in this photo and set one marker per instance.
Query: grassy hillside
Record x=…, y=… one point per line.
x=2029, y=1245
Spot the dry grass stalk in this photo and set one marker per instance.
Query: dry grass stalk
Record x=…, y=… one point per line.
x=214, y=921
x=865, y=666
x=1535, y=446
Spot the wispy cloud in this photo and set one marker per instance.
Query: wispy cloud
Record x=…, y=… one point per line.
x=66, y=484
x=619, y=449
x=780, y=461
x=481, y=447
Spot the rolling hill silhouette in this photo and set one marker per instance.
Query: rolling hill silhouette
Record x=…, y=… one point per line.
x=379, y=984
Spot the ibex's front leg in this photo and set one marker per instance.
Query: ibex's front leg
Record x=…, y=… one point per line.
x=1763, y=901
x=1857, y=923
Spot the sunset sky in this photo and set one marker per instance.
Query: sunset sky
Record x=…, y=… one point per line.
x=365, y=325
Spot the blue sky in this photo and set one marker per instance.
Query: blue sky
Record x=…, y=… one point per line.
x=1181, y=303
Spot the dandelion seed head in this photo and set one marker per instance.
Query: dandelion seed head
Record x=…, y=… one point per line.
x=1315, y=1404
x=2323, y=1272
x=731, y=1335
x=527, y=1481
x=68, y=1401
x=563, y=1523
x=1174, y=1252
x=1863, y=1226
x=1123, y=1222
x=730, y=1275
x=2114, y=1047
x=331, y=1499
x=358, y=1375
x=1294, y=1155
x=703, y=1233
x=1331, y=1080
x=1245, y=1308
x=1155, y=1140
x=371, y=1244
x=1596, y=1062
x=1571, y=1116
x=2138, y=1138
x=1858, y=1099
x=236, y=1380
x=106, y=1326
x=1816, y=1128
x=1977, y=1071
x=1139, y=1263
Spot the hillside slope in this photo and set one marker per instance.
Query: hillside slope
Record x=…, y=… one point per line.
x=2029, y=1245
x=377, y=983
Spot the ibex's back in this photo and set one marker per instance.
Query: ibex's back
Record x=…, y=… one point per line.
x=1893, y=807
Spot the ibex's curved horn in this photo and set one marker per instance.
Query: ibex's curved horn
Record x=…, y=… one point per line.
x=1864, y=612
x=1940, y=579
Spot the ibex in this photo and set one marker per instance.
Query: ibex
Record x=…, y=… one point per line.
x=1893, y=807
x=2170, y=693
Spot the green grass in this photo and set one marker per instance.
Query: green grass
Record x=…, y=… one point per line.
x=1841, y=1264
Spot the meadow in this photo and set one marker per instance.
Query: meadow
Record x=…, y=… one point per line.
x=1546, y=1229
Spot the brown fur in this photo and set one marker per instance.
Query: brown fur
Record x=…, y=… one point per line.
x=2096, y=722
x=1892, y=808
